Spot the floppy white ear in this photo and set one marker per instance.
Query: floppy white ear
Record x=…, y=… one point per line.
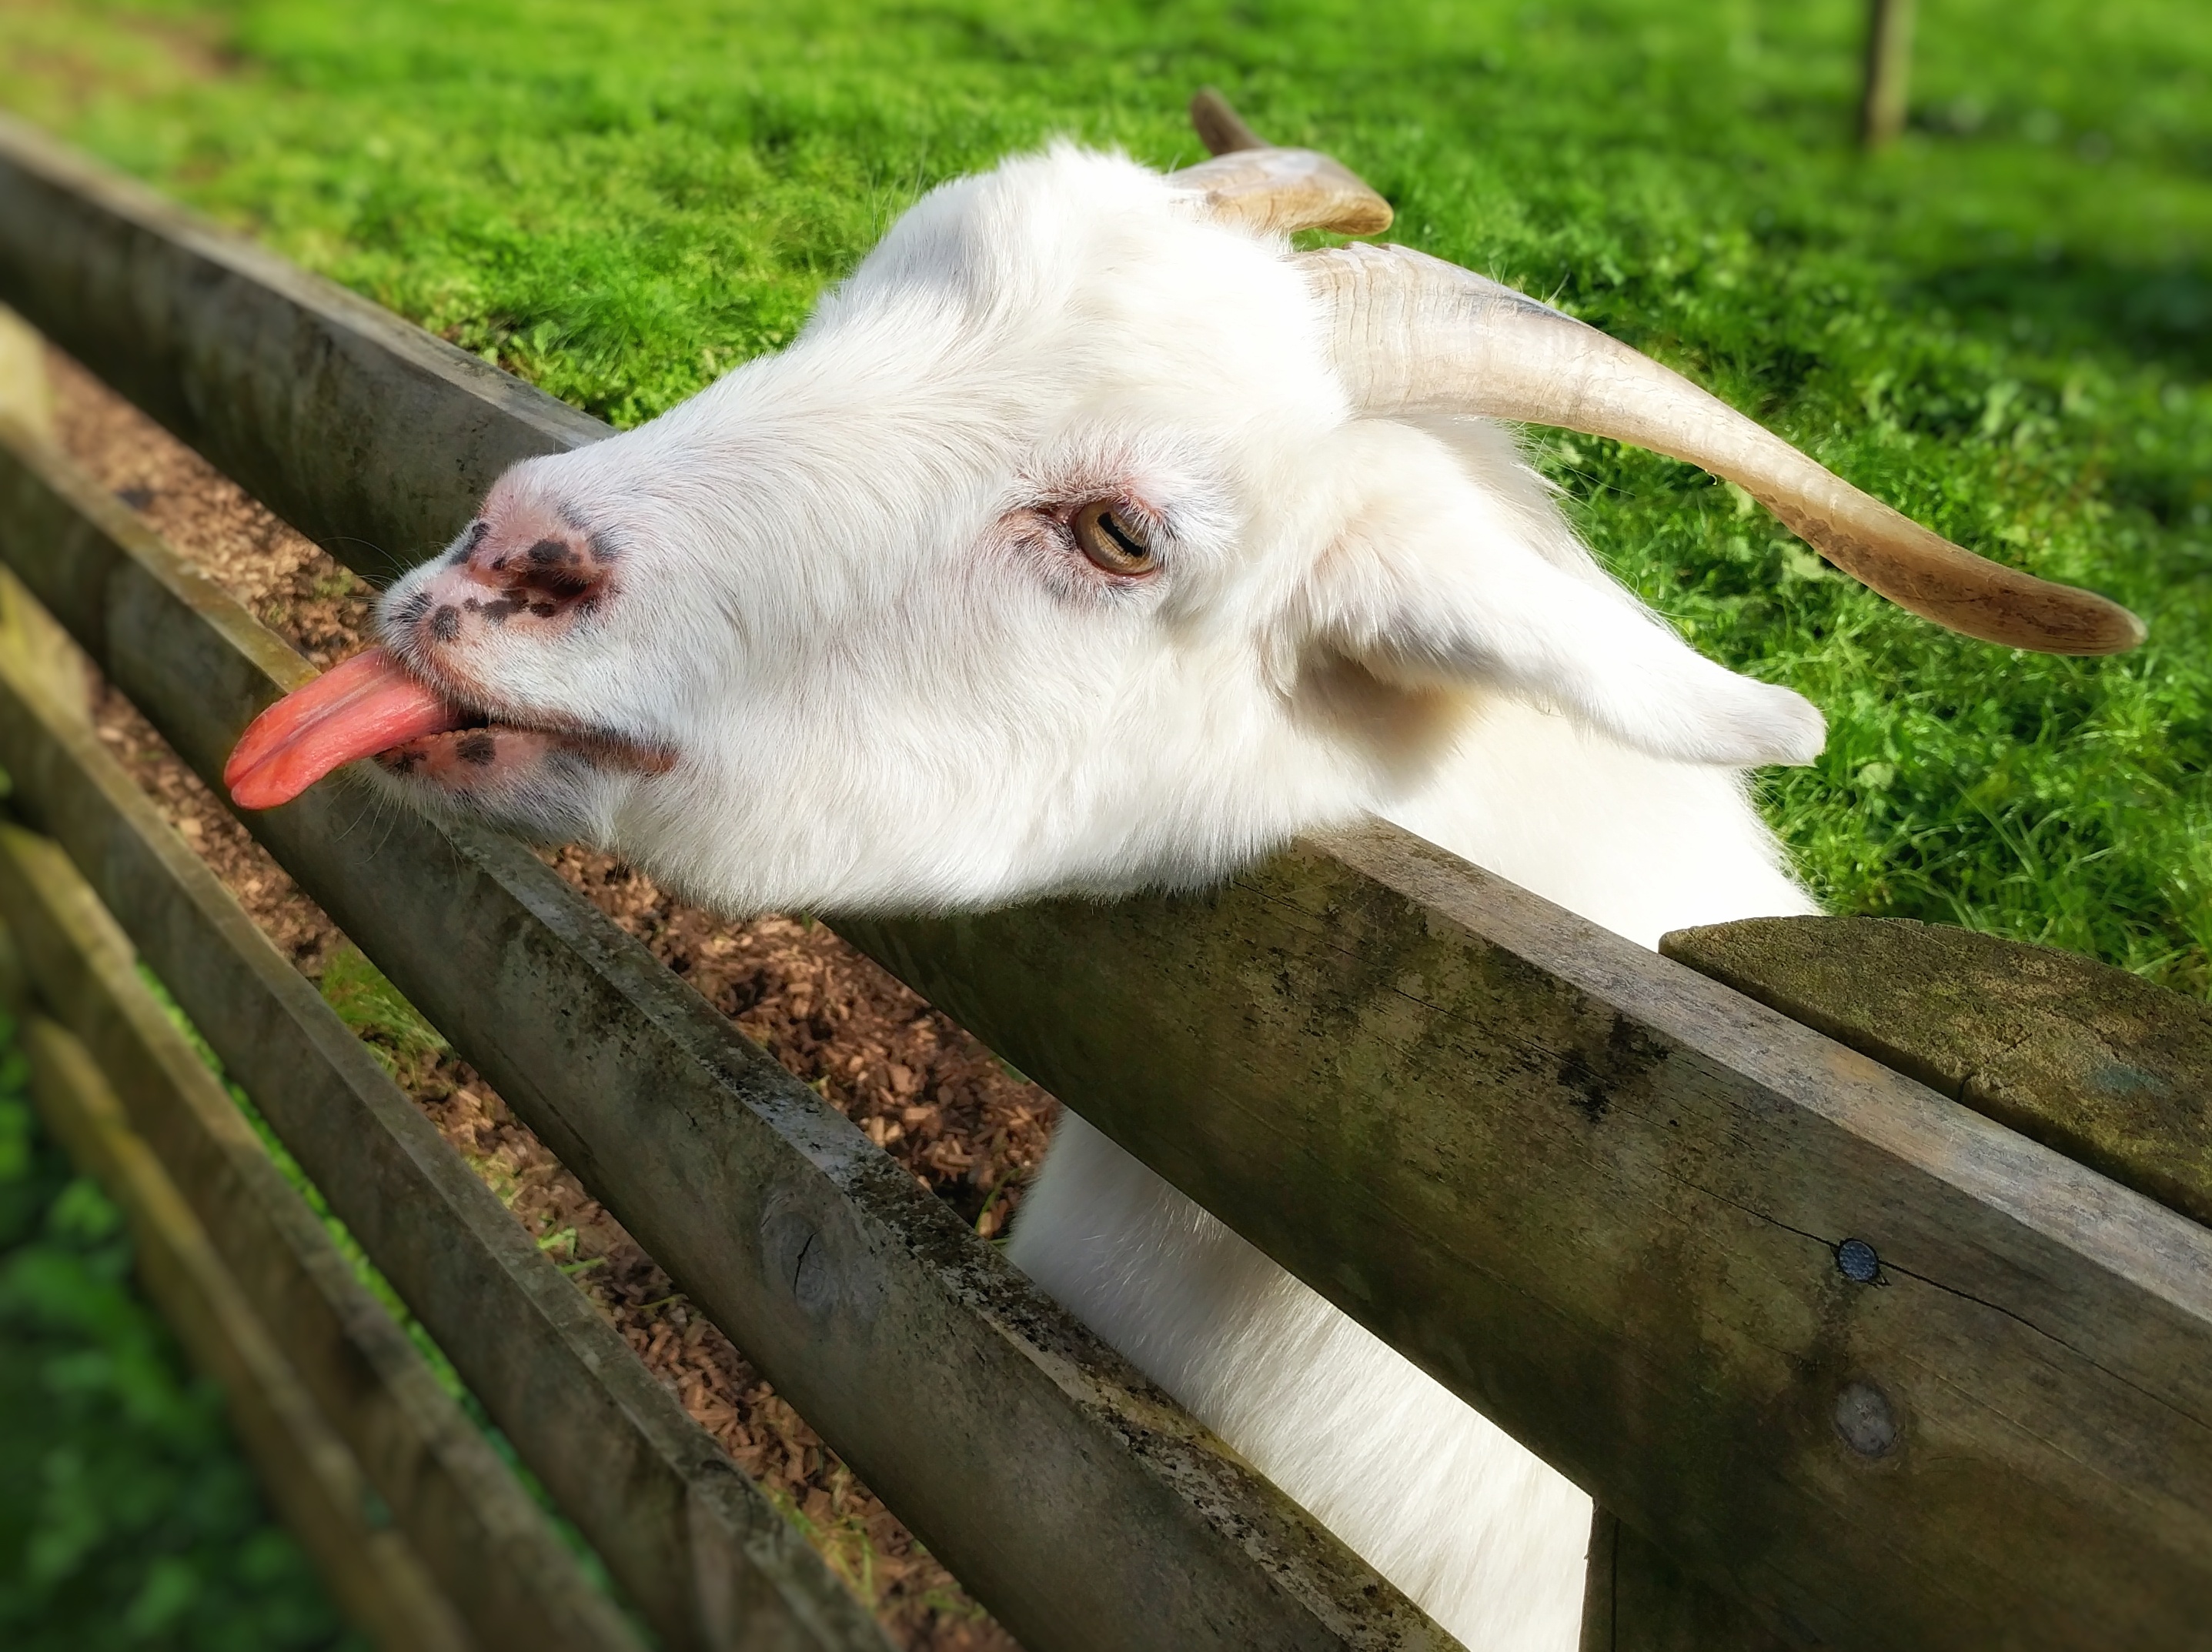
x=1428, y=596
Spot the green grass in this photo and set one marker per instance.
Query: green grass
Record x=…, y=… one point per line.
x=402, y=1042
x=2004, y=325
x=127, y=1518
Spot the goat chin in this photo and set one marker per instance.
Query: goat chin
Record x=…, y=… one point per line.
x=1479, y=1531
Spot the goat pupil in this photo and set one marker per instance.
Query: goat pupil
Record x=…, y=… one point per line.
x=1116, y=533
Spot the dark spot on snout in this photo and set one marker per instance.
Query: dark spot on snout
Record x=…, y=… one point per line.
x=401, y=762
x=548, y=576
x=470, y=541
x=446, y=623
x=476, y=748
x=410, y=612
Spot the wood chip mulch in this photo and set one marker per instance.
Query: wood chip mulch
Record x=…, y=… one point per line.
x=967, y=1127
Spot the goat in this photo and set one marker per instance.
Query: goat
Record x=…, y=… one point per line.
x=1088, y=538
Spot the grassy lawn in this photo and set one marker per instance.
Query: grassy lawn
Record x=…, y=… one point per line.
x=2004, y=325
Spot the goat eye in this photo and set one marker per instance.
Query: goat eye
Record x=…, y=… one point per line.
x=1111, y=540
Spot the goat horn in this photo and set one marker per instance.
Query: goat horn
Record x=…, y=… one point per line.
x=1413, y=334
x=1271, y=190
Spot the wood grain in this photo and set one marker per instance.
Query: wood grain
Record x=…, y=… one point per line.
x=1638, y=1600
x=2106, y=1067
x=1602, y=1197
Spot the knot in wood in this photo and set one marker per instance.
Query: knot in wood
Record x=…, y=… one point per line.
x=1865, y=1420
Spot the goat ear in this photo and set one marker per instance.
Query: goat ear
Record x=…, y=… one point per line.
x=1429, y=608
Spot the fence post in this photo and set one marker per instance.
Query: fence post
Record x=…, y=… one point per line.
x=2095, y=1063
x=1888, y=71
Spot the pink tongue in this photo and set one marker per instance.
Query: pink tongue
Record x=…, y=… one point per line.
x=366, y=706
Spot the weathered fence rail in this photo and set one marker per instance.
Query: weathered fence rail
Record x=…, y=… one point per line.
x=1598, y=1195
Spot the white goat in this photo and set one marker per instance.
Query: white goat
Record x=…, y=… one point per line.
x=1088, y=537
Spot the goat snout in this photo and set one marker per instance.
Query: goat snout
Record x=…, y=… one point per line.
x=527, y=575
x=540, y=566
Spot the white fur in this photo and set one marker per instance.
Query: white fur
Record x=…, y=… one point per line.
x=842, y=601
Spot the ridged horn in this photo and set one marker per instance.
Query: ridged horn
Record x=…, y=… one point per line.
x=1413, y=334
x=1250, y=182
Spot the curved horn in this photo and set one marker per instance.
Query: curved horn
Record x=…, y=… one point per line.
x=1273, y=191
x=1413, y=334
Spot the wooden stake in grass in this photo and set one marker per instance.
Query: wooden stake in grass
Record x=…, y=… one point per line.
x=1888, y=71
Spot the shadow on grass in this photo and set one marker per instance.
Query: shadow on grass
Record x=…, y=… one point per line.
x=2161, y=314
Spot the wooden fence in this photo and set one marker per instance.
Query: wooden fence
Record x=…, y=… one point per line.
x=1846, y=1360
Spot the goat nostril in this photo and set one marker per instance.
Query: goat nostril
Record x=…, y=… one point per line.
x=548, y=575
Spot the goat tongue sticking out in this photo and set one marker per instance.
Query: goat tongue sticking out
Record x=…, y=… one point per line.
x=368, y=705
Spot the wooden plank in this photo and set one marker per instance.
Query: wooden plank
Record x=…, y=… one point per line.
x=27, y=402
x=315, y=1482
x=1638, y=1600
x=1001, y=1431
x=700, y=1550
x=2101, y=1065
x=26, y=398
x=1337, y=1053
x=491, y=1551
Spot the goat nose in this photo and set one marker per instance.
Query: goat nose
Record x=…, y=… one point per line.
x=547, y=574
